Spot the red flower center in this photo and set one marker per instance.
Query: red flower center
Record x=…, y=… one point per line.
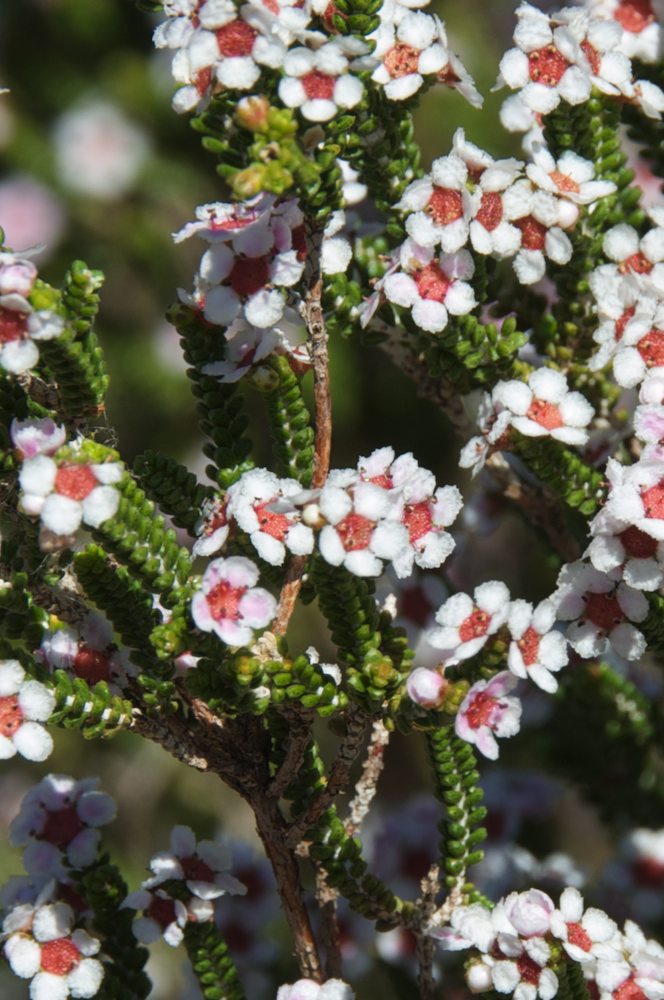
x=274, y=525
x=75, y=481
x=162, y=911
x=564, y=182
x=576, y=935
x=355, y=532
x=651, y=348
x=402, y=60
x=545, y=414
x=529, y=646
x=432, y=283
x=623, y=321
x=203, y=79
x=196, y=870
x=634, y=15
x=481, y=710
x=649, y=873
x=62, y=826
x=384, y=481
x=637, y=543
x=249, y=274
x=59, y=957
x=653, y=500
x=236, y=38
x=490, y=213
x=318, y=86
x=629, y=991
x=592, y=55
x=547, y=65
x=224, y=601
x=638, y=263
x=529, y=970
x=12, y=325
x=11, y=715
x=475, y=625
x=417, y=518
x=92, y=665
x=533, y=233
x=445, y=205
x=603, y=610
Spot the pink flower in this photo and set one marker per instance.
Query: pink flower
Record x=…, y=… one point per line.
x=229, y=604
x=163, y=916
x=536, y=651
x=426, y=687
x=67, y=492
x=201, y=865
x=37, y=437
x=486, y=712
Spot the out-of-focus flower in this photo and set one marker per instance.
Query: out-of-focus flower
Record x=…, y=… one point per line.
x=30, y=214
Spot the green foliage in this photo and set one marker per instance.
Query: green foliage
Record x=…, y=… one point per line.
x=220, y=407
x=174, y=489
x=104, y=889
x=290, y=423
x=457, y=787
x=578, y=484
x=20, y=617
x=94, y=711
x=471, y=354
x=212, y=963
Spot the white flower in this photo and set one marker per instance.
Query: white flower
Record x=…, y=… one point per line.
x=64, y=494
x=202, y=865
x=641, y=29
x=319, y=82
x=254, y=503
x=408, y=52
x=467, y=623
x=308, y=989
x=24, y=703
x=536, y=651
x=439, y=205
x=545, y=406
x=229, y=604
x=585, y=934
x=641, y=258
x=163, y=916
x=491, y=228
x=569, y=177
x=90, y=653
x=600, y=612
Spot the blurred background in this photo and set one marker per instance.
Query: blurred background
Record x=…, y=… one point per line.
x=94, y=164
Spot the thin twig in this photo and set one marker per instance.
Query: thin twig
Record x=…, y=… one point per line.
x=365, y=789
x=289, y=592
x=299, y=736
x=327, y=898
x=356, y=728
x=425, y=907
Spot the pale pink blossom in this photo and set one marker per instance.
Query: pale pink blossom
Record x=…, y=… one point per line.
x=537, y=651
x=229, y=604
x=488, y=712
x=467, y=623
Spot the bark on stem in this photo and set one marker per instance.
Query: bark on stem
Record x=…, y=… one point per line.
x=271, y=828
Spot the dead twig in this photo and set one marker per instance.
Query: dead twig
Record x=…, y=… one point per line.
x=365, y=789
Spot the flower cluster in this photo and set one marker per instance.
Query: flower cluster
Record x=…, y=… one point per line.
x=517, y=942
x=203, y=867
x=22, y=325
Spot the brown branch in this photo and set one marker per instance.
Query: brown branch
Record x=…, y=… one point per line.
x=289, y=592
x=326, y=898
x=356, y=728
x=424, y=909
x=365, y=789
x=298, y=740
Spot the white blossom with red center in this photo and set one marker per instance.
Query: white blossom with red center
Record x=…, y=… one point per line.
x=649, y=414
x=642, y=258
x=544, y=406
x=640, y=22
x=488, y=712
x=258, y=503
x=641, y=345
x=466, y=623
x=600, y=611
x=66, y=492
x=544, y=67
x=89, y=653
x=432, y=286
x=491, y=227
x=320, y=82
x=494, y=421
x=57, y=958
x=569, y=177
x=59, y=823
x=248, y=346
x=625, y=551
x=638, y=975
x=218, y=47
x=411, y=51
x=309, y=989
x=637, y=495
x=24, y=703
x=586, y=934
x=36, y=437
x=225, y=222
x=229, y=603
x=203, y=866
x=541, y=218
x=536, y=650
x=21, y=326
x=163, y=916
x=439, y=205
x=620, y=303
x=212, y=528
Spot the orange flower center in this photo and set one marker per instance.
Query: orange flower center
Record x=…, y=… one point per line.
x=11, y=715
x=75, y=481
x=545, y=414
x=475, y=625
x=274, y=525
x=402, y=60
x=634, y=15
